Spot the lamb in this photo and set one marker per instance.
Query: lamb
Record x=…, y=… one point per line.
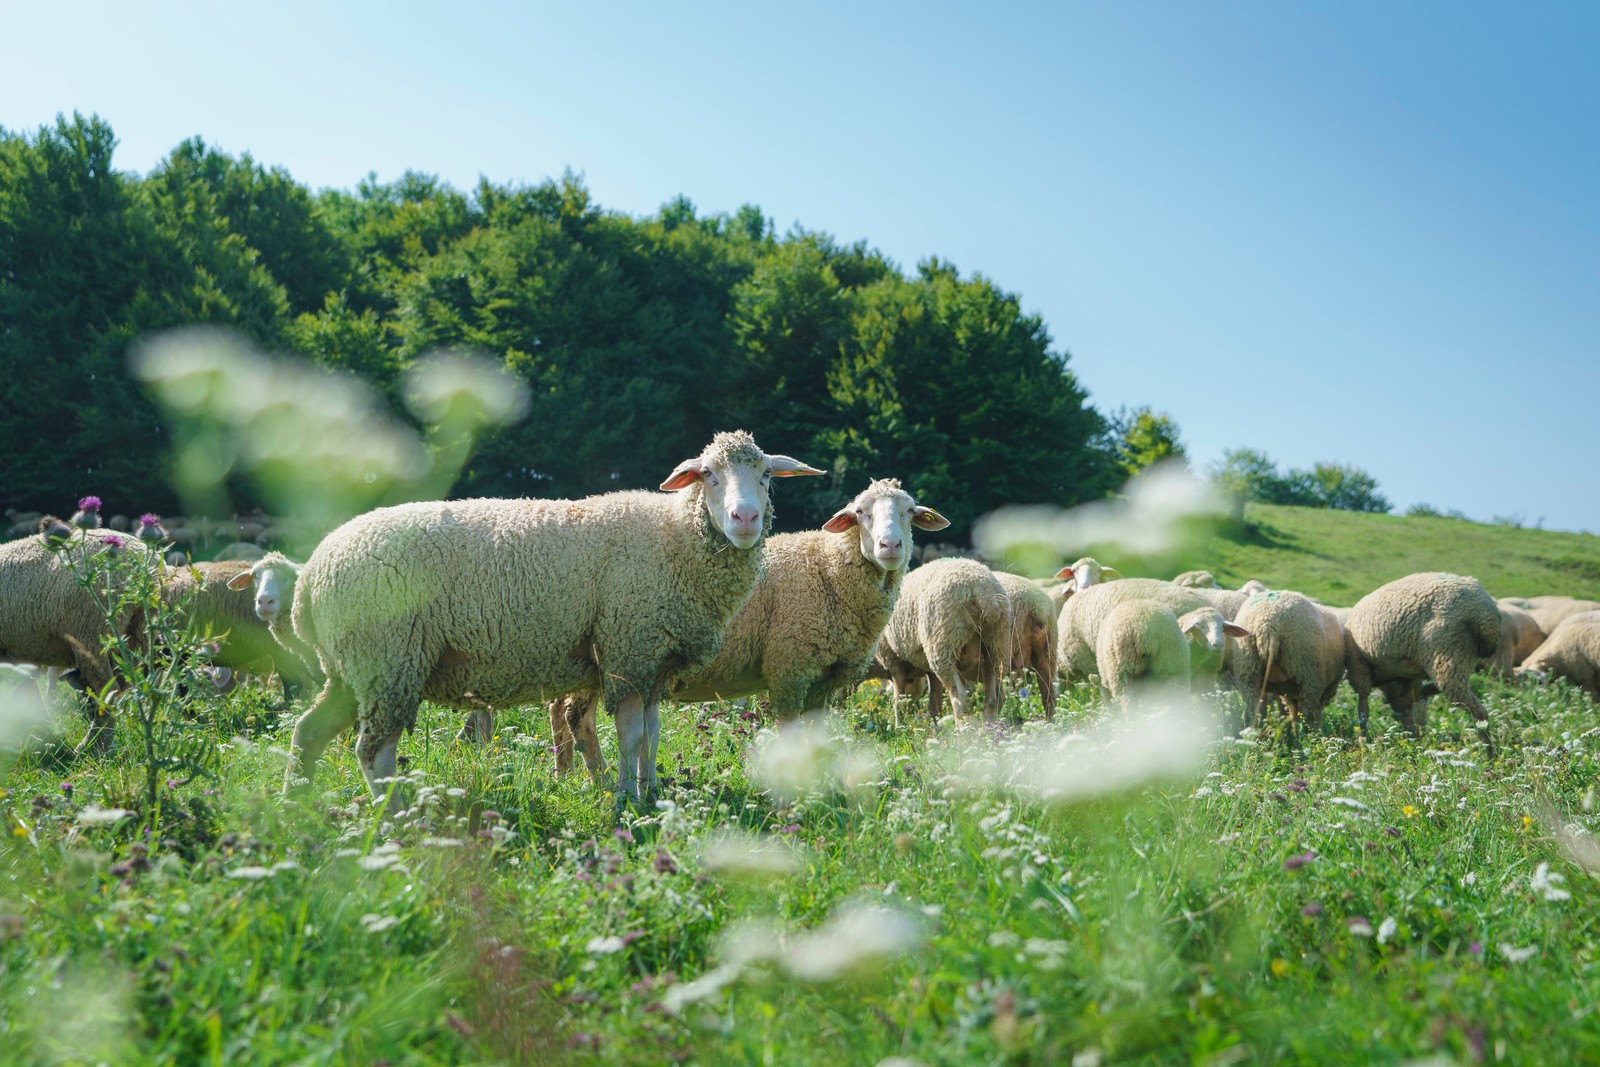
x=1140, y=641
x=1033, y=634
x=271, y=580
x=1294, y=651
x=1196, y=580
x=1520, y=634
x=1572, y=651
x=496, y=602
x=48, y=617
x=809, y=630
x=1424, y=626
x=952, y=623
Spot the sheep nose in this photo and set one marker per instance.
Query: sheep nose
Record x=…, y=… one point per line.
x=745, y=516
x=267, y=605
x=890, y=546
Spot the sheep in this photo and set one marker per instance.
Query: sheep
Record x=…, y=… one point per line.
x=1210, y=650
x=809, y=629
x=1227, y=601
x=1520, y=634
x=23, y=523
x=1058, y=591
x=1424, y=626
x=494, y=602
x=1572, y=651
x=212, y=597
x=1088, y=572
x=1550, y=611
x=1140, y=641
x=1196, y=580
x=1294, y=651
x=49, y=618
x=1033, y=634
x=247, y=551
x=952, y=623
x=1078, y=629
x=1253, y=587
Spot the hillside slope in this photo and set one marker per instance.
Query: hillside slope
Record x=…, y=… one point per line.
x=1339, y=556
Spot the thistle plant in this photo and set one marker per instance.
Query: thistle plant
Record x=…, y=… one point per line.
x=153, y=658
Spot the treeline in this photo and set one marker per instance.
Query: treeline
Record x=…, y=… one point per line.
x=638, y=337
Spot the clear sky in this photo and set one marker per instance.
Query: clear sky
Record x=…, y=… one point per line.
x=1362, y=232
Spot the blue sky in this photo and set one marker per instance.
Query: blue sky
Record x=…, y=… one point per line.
x=1364, y=232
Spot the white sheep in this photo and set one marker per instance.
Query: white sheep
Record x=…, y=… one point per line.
x=1253, y=587
x=1196, y=580
x=1572, y=652
x=951, y=627
x=808, y=632
x=1078, y=629
x=1550, y=611
x=50, y=618
x=1033, y=634
x=1294, y=650
x=501, y=602
x=1520, y=634
x=1424, y=626
x=1140, y=642
x=1088, y=572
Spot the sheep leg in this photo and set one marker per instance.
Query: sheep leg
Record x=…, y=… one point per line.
x=376, y=748
x=994, y=695
x=960, y=697
x=1045, y=673
x=629, y=712
x=330, y=714
x=1455, y=683
x=580, y=724
x=478, y=726
x=936, y=699
x=652, y=742
x=561, y=738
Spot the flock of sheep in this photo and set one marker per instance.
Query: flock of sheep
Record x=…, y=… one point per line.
x=634, y=597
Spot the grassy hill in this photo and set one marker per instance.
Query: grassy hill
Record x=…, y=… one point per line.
x=1339, y=556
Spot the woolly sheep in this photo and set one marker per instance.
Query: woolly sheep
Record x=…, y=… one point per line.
x=1424, y=626
x=1033, y=635
x=242, y=550
x=1210, y=646
x=48, y=617
x=1572, y=651
x=1520, y=634
x=1294, y=651
x=810, y=627
x=1550, y=611
x=1088, y=572
x=1196, y=580
x=1227, y=601
x=951, y=624
x=1140, y=641
x=213, y=596
x=498, y=602
x=1253, y=587
x=1078, y=629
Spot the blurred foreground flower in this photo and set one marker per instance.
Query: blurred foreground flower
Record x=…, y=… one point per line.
x=813, y=751
x=753, y=856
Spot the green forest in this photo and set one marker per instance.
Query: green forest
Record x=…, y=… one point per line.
x=637, y=337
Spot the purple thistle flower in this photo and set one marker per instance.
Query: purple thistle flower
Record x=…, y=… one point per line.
x=665, y=864
x=1299, y=785
x=1312, y=910
x=1295, y=862
x=149, y=518
x=622, y=833
x=113, y=540
x=1476, y=948
x=89, y=503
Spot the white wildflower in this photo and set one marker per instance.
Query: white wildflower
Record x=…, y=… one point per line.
x=1004, y=939
x=376, y=924
x=855, y=936
x=1387, y=929
x=1549, y=883
x=750, y=855
x=1347, y=802
x=250, y=874
x=441, y=842
x=604, y=946
x=95, y=815
x=1517, y=955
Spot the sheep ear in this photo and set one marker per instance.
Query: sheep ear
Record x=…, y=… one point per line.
x=685, y=475
x=789, y=467
x=1066, y=574
x=841, y=521
x=927, y=519
x=242, y=580
x=1234, y=631
x=1110, y=574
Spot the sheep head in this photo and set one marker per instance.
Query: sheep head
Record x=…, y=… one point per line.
x=734, y=475
x=882, y=515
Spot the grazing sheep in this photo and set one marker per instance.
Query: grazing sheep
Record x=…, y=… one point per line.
x=952, y=624
x=1252, y=587
x=1088, y=572
x=1423, y=626
x=247, y=551
x=476, y=603
x=1078, y=630
x=1572, y=651
x=1294, y=650
x=49, y=618
x=23, y=523
x=1549, y=611
x=809, y=629
x=1196, y=580
x=1520, y=634
x=1033, y=634
x=1140, y=641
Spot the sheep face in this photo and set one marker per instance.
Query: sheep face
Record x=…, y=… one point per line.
x=273, y=577
x=734, y=476
x=882, y=516
x=1208, y=634
x=1088, y=572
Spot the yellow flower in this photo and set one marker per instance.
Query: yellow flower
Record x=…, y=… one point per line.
x=1527, y=821
x=1408, y=811
x=1280, y=967
x=19, y=831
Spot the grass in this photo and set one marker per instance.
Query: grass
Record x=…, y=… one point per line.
x=1266, y=902
x=1340, y=556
